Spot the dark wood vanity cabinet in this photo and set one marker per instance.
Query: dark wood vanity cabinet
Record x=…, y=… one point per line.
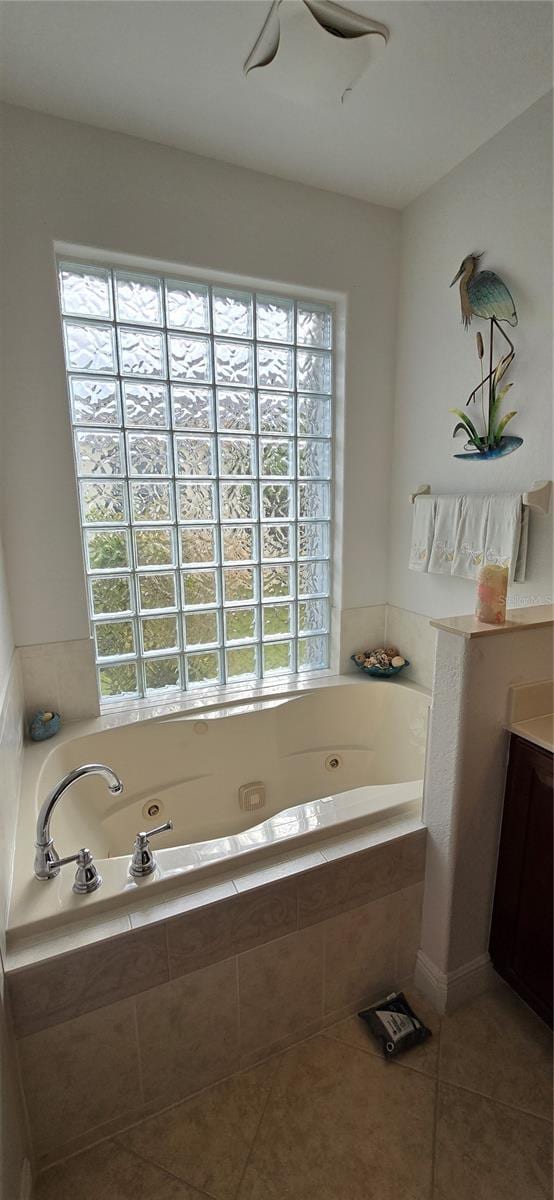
x=521, y=931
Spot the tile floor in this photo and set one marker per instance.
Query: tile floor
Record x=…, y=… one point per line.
x=467, y=1116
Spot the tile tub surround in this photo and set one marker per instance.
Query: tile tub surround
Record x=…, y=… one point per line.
x=416, y=639
x=60, y=676
x=327, y=1119
x=222, y=987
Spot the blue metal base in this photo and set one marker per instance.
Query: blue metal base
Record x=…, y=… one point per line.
x=507, y=446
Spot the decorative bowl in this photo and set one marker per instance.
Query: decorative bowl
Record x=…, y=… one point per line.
x=380, y=672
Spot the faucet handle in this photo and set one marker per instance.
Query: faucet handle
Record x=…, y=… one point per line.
x=87, y=878
x=143, y=861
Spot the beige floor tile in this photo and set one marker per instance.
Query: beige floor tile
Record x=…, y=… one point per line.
x=486, y=1151
x=340, y=1125
x=108, y=1172
x=496, y=1046
x=423, y=1058
x=206, y=1140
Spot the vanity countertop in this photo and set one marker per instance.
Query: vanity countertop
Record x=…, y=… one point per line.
x=539, y=730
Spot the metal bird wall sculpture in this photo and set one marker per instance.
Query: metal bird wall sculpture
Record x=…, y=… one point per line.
x=484, y=294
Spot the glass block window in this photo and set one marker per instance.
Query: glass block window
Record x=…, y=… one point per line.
x=202, y=423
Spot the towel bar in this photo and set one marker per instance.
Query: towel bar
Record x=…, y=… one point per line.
x=537, y=498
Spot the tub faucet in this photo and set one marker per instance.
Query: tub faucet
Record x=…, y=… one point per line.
x=46, y=855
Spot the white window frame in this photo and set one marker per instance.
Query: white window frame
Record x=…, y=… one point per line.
x=298, y=297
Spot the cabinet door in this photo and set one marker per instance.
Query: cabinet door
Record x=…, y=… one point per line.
x=521, y=931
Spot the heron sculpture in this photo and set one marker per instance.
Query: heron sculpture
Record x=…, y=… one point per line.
x=484, y=294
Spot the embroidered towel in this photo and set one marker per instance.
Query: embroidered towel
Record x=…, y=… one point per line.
x=423, y=525
x=457, y=535
x=447, y=516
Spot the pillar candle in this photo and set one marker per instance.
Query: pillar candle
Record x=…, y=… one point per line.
x=492, y=586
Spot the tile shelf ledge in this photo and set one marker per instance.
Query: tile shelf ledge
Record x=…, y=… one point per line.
x=520, y=619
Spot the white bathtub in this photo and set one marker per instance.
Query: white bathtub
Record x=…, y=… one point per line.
x=341, y=754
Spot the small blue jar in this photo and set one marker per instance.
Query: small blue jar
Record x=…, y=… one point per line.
x=44, y=725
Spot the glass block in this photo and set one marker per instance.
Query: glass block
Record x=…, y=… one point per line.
x=85, y=291
x=232, y=313
x=314, y=459
x=313, y=653
x=277, y=541
x=277, y=620
x=236, y=456
x=313, y=579
x=276, y=412
x=237, y=502
x=94, y=401
x=118, y=681
x=141, y=352
x=150, y=502
x=99, y=453
x=198, y=544
x=160, y=673
x=159, y=633
x=157, y=591
x=89, y=348
x=313, y=616
x=314, y=416
x=234, y=363
x=240, y=624
x=314, y=500
x=114, y=638
x=277, y=582
x=111, y=595
x=238, y=543
x=313, y=371
x=187, y=305
x=148, y=454
x=241, y=664
x=107, y=550
x=313, y=540
x=276, y=456
x=235, y=409
x=201, y=629
x=275, y=367
x=145, y=404
x=189, y=358
x=314, y=325
x=138, y=298
x=274, y=319
x=102, y=503
x=199, y=587
x=203, y=669
x=192, y=407
x=239, y=583
x=278, y=658
x=154, y=547
x=277, y=500
x=195, y=501
x=194, y=455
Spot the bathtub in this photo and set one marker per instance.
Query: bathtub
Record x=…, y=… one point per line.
x=243, y=781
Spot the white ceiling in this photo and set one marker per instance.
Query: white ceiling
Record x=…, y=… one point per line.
x=452, y=75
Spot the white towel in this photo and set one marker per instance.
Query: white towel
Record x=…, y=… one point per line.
x=423, y=525
x=457, y=535
x=447, y=515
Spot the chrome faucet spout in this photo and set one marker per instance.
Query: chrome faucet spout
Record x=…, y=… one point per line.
x=46, y=855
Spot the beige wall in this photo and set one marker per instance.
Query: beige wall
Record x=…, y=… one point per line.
x=499, y=200
x=70, y=182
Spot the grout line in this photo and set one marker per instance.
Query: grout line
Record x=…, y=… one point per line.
x=262, y=1115
x=152, y=1162
x=494, y=1100
x=138, y=1051
x=436, y=1119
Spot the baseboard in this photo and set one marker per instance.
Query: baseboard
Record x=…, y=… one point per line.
x=26, y=1181
x=448, y=991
